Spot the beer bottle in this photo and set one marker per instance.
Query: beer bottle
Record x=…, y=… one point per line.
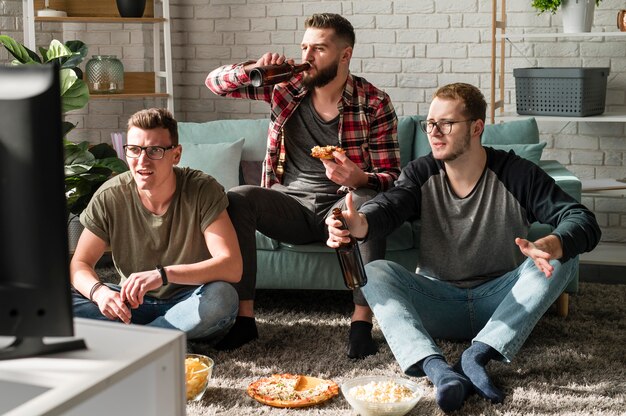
x=350, y=258
x=273, y=74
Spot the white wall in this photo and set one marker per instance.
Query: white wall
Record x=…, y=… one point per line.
x=406, y=47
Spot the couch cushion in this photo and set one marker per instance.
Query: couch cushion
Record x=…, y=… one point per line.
x=220, y=160
x=219, y=131
x=406, y=138
x=531, y=152
x=563, y=177
x=263, y=242
x=517, y=131
x=402, y=238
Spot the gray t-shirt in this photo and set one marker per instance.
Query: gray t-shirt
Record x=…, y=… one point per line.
x=140, y=240
x=304, y=130
x=466, y=241
x=457, y=233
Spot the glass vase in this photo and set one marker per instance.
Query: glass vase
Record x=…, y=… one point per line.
x=105, y=74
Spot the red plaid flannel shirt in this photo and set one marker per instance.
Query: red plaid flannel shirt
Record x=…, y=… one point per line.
x=368, y=125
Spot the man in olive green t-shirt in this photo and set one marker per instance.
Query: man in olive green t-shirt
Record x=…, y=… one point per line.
x=171, y=240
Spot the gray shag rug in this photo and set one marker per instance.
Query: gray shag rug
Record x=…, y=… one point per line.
x=568, y=366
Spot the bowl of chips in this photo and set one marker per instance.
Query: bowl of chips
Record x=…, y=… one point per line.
x=198, y=370
x=381, y=395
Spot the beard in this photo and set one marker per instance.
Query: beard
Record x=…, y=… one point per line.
x=323, y=77
x=460, y=148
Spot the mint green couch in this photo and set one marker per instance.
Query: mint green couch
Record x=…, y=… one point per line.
x=314, y=266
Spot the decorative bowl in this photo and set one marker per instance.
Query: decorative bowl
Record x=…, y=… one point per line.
x=198, y=371
x=380, y=401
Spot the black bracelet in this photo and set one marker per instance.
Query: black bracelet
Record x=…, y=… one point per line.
x=94, y=288
x=162, y=273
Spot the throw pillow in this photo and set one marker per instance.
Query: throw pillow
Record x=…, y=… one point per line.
x=531, y=152
x=517, y=131
x=220, y=160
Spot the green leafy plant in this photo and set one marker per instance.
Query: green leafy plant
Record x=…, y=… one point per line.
x=550, y=5
x=74, y=91
x=86, y=167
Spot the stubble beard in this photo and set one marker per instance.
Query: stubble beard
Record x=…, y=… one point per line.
x=323, y=77
x=458, y=150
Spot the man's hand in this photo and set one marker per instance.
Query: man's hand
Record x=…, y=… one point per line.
x=344, y=172
x=357, y=225
x=138, y=284
x=269, y=58
x=111, y=304
x=542, y=251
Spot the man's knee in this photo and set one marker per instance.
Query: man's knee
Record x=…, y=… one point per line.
x=362, y=195
x=223, y=296
x=239, y=200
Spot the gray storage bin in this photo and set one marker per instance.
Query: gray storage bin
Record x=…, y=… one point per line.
x=574, y=92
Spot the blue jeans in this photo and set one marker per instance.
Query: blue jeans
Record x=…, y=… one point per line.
x=203, y=312
x=413, y=309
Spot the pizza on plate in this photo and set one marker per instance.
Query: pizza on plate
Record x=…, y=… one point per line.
x=325, y=152
x=292, y=390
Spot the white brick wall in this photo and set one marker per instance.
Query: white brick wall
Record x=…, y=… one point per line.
x=407, y=47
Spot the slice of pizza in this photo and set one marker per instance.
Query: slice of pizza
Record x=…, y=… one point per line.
x=325, y=152
x=291, y=390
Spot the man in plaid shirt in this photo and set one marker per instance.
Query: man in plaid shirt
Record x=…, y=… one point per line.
x=324, y=105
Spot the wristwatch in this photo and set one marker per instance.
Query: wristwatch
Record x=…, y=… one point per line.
x=161, y=271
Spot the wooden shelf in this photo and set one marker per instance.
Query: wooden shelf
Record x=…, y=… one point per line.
x=95, y=9
x=136, y=85
x=559, y=35
x=99, y=19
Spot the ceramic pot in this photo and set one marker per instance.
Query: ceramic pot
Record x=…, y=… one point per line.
x=131, y=8
x=577, y=15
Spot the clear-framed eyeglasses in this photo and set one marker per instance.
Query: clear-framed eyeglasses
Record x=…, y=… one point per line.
x=444, y=126
x=153, y=152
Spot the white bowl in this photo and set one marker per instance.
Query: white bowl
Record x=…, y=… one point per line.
x=370, y=408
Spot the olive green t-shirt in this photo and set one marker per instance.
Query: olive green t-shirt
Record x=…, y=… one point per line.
x=140, y=240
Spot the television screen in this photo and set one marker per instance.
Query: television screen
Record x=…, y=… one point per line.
x=35, y=296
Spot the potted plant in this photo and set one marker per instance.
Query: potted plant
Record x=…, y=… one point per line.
x=551, y=5
x=86, y=167
x=577, y=14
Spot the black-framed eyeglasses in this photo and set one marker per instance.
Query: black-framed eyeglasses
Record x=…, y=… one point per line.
x=153, y=152
x=444, y=126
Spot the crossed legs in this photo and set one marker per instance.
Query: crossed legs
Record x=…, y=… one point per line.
x=497, y=316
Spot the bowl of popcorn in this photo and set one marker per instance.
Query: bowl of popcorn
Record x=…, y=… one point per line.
x=381, y=395
x=198, y=370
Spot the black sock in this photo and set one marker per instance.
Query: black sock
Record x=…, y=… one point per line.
x=243, y=331
x=452, y=388
x=360, y=342
x=473, y=362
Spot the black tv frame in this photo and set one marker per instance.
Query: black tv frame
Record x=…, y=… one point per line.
x=35, y=293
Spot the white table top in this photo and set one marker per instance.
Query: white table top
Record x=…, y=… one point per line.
x=36, y=385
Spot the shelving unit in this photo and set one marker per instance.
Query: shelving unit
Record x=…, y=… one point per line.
x=136, y=84
x=499, y=38
x=605, y=253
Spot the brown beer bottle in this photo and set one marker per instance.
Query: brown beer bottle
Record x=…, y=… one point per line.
x=350, y=258
x=273, y=74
